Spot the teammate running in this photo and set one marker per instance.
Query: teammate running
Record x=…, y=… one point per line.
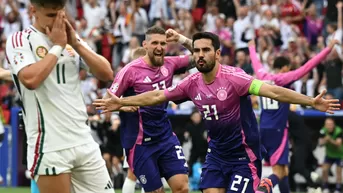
x=221, y=93
x=45, y=60
x=274, y=115
x=152, y=150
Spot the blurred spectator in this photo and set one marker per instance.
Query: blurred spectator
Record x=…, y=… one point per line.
x=331, y=136
x=243, y=62
x=140, y=20
x=197, y=132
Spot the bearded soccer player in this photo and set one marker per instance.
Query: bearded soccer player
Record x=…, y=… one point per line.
x=274, y=115
x=45, y=60
x=152, y=150
x=221, y=93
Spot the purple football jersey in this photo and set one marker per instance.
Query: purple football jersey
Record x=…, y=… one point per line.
x=226, y=108
x=274, y=114
x=150, y=124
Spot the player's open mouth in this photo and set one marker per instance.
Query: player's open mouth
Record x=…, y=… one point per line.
x=158, y=55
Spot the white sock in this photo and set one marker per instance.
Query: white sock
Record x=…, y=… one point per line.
x=142, y=190
x=129, y=186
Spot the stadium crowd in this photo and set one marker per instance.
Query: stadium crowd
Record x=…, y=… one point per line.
x=114, y=28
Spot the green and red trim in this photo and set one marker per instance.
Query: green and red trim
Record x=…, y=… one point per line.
x=39, y=143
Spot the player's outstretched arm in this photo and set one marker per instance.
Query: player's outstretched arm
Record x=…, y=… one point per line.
x=5, y=74
x=114, y=103
x=288, y=77
x=98, y=65
x=289, y=96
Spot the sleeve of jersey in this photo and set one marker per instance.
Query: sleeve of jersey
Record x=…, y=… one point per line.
x=178, y=92
x=289, y=77
x=256, y=64
x=18, y=52
x=180, y=62
x=123, y=80
x=241, y=82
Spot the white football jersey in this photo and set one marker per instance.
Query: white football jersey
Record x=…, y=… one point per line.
x=55, y=113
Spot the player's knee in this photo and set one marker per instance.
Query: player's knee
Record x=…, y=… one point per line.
x=181, y=188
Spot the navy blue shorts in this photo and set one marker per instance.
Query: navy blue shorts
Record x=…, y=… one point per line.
x=234, y=177
x=151, y=162
x=276, y=143
x=331, y=161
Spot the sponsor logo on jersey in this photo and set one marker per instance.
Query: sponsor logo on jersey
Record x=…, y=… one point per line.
x=164, y=71
x=221, y=94
x=41, y=51
x=18, y=58
x=142, y=179
x=114, y=87
x=70, y=51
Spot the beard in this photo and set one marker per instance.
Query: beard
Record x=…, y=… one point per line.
x=206, y=66
x=156, y=60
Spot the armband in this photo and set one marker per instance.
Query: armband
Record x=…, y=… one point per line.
x=255, y=87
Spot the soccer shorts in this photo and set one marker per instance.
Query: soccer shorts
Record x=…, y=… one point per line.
x=84, y=163
x=276, y=143
x=237, y=177
x=151, y=162
x=125, y=164
x=331, y=161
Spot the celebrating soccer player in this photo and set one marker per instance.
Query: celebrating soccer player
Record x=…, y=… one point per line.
x=45, y=60
x=152, y=150
x=221, y=93
x=274, y=115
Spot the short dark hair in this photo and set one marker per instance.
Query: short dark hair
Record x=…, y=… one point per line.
x=207, y=35
x=280, y=62
x=50, y=3
x=155, y=30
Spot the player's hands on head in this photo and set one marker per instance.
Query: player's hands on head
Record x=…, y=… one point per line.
x=172, y=36
x=109, y=104
x=325, y=105
x=57, y=34
x=71, y=34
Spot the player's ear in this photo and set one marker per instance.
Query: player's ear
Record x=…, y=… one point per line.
x=144, y=44
x=218, y=54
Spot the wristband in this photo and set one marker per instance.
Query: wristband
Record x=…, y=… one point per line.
x=56, y=50
x=182, y=39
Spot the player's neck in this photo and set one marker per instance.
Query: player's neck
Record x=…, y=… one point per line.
x=40, y=29
x=210, y=76
x=148, y=61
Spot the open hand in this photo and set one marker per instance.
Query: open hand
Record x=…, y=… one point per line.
x=112, y=103
x=324, y=105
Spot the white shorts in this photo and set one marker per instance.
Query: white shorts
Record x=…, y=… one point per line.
x=84, y=163
x=125, y=164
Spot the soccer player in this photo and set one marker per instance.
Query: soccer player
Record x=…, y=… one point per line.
x=45, y=60
x=221, y=93
x=274, y=115
x=130, y=181
x=152, y=150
